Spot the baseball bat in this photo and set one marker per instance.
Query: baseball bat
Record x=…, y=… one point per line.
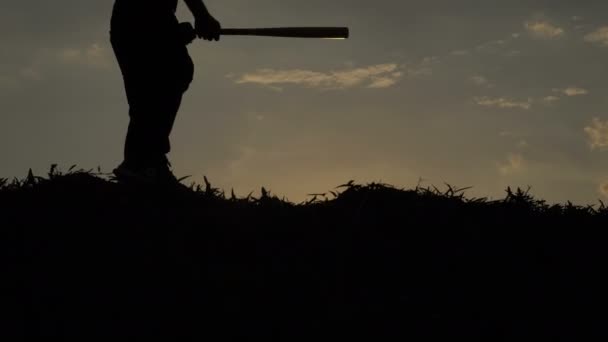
x=291, y=32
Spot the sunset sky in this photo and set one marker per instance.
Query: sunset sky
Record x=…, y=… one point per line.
x=487, y=94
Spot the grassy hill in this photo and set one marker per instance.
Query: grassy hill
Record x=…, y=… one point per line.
x=82, y=256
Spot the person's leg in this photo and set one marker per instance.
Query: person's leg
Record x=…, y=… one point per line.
x=155, y=82
x=129, y=54
x=148, y=135
x=174, y=84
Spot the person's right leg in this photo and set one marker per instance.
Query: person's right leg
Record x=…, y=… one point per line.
x=155, y=82
x=150, y=126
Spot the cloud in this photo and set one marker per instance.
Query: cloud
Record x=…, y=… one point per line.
x=247, y=154
x=543, y=30
x=20, y=76
x=513, y=53
x=460, y=53
x=550, y=99
x=502, y=102
x=515, y=163
x=597, y=134
x=386, y=82
x=34, y=68
x=604, y=189
x=375, y=76
x=481, y=81
x=523, y=143
x=599, y=36
x=572, y=91
x=93, y=55
x=31, y=73
x=422, y=68
x=489, y=47
x=518, y=141
x=492, y=46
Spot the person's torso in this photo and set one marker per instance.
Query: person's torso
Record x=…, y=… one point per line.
x=144, y=16
x=152, y=6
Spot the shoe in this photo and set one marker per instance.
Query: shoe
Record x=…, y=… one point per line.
x=154, y=175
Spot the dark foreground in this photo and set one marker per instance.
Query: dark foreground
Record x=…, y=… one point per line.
x=84, y=257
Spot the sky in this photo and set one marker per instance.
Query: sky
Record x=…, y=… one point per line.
x=472, y=93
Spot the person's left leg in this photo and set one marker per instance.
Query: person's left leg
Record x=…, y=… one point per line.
x=162, y=123
x=177, y=83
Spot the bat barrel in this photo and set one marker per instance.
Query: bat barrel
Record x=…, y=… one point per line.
x=291, y=32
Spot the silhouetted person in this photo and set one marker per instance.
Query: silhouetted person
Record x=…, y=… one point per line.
x=150, y=46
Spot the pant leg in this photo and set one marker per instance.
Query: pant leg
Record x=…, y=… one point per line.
x=156, y=75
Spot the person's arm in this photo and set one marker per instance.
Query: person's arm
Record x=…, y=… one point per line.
x=205, y=24
x=198, y=8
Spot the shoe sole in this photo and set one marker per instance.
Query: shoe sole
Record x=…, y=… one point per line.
x=128, y=177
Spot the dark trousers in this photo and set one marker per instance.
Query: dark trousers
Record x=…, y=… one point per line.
x=157, y=70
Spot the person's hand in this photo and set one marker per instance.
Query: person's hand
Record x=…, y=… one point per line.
x=187, y=33
x=208, y=28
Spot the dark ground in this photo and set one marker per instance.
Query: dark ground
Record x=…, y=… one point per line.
x=85, y=257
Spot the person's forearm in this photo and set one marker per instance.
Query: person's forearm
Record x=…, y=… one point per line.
x=197, y=7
